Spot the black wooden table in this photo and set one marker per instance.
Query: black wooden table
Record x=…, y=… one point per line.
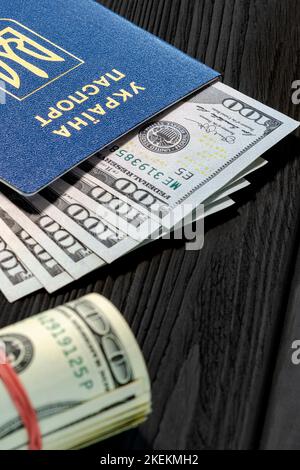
x=210, y=322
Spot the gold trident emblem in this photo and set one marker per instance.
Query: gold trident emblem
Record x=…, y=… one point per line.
x=17, y=41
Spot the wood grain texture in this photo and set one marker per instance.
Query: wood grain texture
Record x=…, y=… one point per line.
x=209, y=322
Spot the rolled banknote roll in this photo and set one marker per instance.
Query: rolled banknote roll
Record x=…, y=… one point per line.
x=83, y=371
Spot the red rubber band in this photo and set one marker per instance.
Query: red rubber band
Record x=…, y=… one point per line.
x=23, y=405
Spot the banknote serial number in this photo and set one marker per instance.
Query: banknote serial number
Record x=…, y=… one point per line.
x=142, y=166
x=69, y=349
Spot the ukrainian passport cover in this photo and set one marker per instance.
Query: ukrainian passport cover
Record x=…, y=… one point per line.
x=74, y=77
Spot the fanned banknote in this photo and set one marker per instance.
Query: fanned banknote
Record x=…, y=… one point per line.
x=176, y=170
x=187, y=156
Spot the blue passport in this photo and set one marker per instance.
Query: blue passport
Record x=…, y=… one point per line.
x=74, y=77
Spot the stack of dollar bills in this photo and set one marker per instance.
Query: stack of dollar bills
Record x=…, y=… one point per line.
x=95, y=383
x=186, y=161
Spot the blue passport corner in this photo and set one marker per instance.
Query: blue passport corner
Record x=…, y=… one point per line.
x=74, y=77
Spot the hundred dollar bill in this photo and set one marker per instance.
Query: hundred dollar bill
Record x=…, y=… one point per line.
x=83, y=371
x=189, y=154
x=95, y=196
x=16, y=280
x=62, y=245
x=50, y=274
x=92, y=194
x=89, y=228
x=117, y=212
